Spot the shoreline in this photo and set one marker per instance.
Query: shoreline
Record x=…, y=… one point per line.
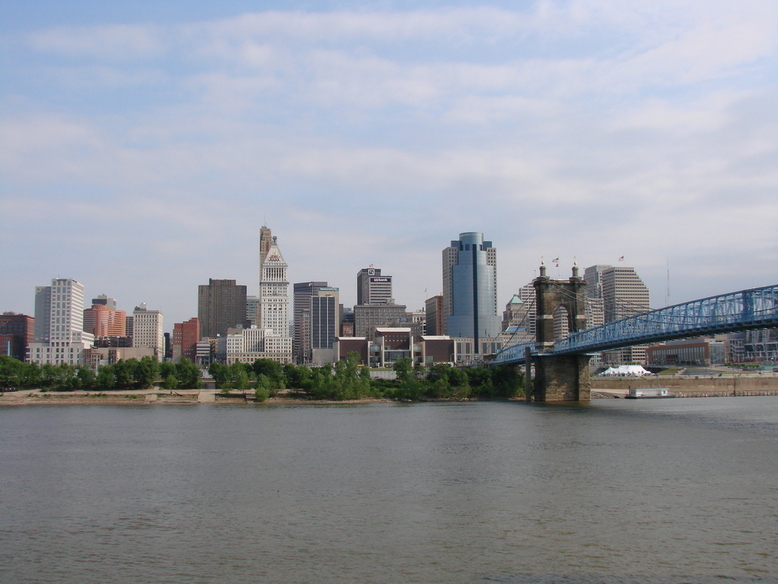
x=209, y=396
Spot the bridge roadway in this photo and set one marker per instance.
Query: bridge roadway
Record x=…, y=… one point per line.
x=755, y=308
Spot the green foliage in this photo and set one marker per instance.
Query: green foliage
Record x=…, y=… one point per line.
x=188, y=374
x=169, y=382
x=262, y=387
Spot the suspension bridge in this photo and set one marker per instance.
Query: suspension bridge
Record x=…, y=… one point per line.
x=561, y=365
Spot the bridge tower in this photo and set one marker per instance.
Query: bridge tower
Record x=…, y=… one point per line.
x=559, y=377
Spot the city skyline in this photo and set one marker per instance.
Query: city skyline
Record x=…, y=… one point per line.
x=143, y=145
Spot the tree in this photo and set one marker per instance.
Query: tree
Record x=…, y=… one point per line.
x=145, y=372
x=106, y=377
x=85, y=378
x=123, y=373
x=188, y=374
x=270, y=369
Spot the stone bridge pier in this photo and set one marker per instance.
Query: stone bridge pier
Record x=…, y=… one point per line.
x=559, y=377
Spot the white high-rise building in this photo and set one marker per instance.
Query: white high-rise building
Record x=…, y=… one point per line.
x=274, y=292
x=274, y=295
x=147, y=330
x=59, y=324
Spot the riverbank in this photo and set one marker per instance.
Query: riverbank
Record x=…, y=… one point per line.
x=152, y=397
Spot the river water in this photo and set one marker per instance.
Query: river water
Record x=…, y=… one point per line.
x=611, y=492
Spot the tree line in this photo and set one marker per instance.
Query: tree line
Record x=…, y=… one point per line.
x=343, y=380
x=144, y=373
x=348, y=380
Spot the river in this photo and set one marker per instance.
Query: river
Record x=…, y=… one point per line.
x=610, y=492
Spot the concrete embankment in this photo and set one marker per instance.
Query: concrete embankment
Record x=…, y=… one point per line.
x=691, y=386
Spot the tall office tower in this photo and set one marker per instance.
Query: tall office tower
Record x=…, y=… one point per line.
x=185, y=338
x=147, y=330
x=302, y=294
x=274, y=292
x=324, y=324
x=373, y=288
x=616, y=293
x=433, y=308
x=221, y=305
x=59, y=324
x=623, y=293
x=470, y=288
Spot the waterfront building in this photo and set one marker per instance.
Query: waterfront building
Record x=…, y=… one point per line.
x=703, y=351
x=221, y=305
x=470, y=288
x=148, y=332
x=59, y=324
x=373, y=288
x=185, y=338
x=17, y=331
x=246, y=345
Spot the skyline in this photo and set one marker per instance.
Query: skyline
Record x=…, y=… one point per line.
x=142, y=150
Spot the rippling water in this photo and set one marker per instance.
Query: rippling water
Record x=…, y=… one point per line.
x=613, y=492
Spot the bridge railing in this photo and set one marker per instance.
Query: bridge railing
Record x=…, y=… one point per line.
x=747, y=309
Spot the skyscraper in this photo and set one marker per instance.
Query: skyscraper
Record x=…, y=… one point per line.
x=221, y=305
x=373, y=288
x=303, y=292
x=616, y=293
x=470, y=288
x=274, y=291
x=59, y=324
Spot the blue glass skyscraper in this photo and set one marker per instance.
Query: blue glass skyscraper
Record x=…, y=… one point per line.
x=470, y=288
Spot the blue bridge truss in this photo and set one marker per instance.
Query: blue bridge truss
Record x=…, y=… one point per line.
x=756, y=308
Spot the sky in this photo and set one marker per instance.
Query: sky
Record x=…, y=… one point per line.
x=143, y=144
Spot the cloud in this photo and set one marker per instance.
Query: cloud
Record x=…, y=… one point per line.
x=120, y=42
x=590, y=129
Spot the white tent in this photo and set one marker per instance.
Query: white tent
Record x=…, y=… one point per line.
x=625, y=371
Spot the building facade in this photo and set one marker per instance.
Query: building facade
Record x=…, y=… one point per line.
x=302, y=294
x=185, y=337
x=17, y=331
x=616, y=292
x=373, y=288
x=104, y=320
x=433, y=317
x=368, y=317
x=59, y=324
x=221, y=305
x=148, y=331
x=274, y=291
x=470, y=288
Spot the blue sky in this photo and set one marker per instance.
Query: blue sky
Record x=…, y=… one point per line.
x=143, y=144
